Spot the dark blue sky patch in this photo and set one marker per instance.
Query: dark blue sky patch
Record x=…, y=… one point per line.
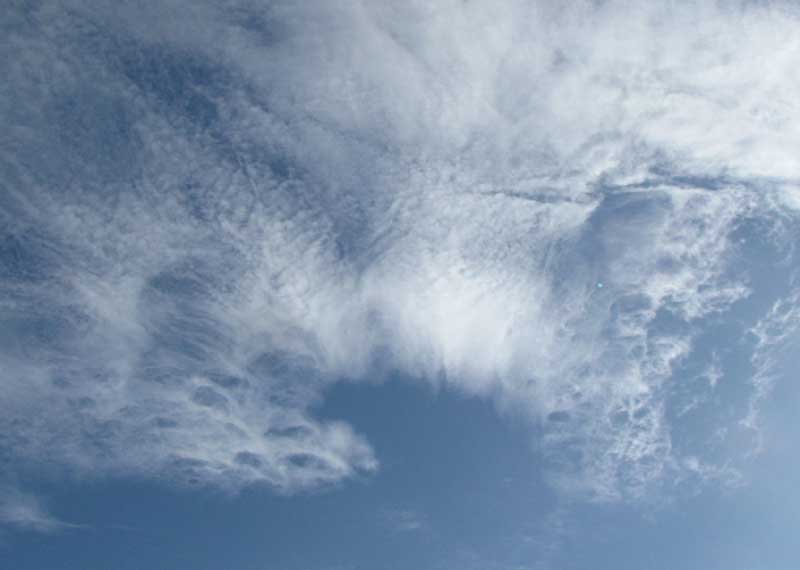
x=183, y=84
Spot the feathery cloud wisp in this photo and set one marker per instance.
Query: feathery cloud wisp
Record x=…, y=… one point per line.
x=207, y=225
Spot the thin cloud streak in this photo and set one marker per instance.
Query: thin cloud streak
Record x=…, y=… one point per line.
x=26, y=512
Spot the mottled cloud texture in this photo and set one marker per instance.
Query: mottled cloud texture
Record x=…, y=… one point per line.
x=213, y=211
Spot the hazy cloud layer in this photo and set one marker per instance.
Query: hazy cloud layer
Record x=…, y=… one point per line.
x=212, y=212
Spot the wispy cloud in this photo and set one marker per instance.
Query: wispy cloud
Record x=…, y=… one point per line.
x=404, y=520
x=772, y=334
x=207, y=225
x=26, y=512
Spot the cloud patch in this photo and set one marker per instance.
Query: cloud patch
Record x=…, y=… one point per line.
x=26, y=512
x=206, y=225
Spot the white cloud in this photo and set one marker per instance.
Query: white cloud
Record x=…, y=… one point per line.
x=772, y=335
x=404, y=520
x=26, y=512
x=209, y=224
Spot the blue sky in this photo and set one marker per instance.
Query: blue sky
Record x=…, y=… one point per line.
x=362, y=285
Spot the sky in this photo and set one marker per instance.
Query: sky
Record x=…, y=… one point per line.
x=450, y=285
